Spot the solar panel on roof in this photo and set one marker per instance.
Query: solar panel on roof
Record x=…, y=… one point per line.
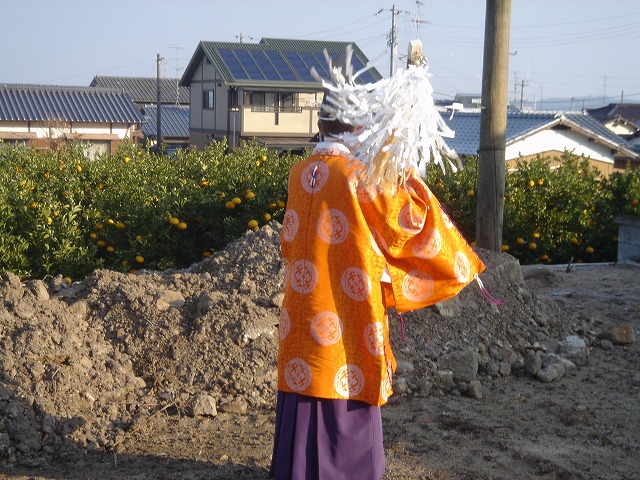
x=280, y=65
x=299, y=66
x=233, y=64
x=364, y=77
x=265, y=65
x=316, y=60
x=249, y=65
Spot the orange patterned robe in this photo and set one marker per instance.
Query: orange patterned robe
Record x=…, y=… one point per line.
x=349, y=253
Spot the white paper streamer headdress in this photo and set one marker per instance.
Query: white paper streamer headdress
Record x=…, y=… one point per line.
x=398, y=125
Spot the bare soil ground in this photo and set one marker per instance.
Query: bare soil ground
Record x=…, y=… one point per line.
x=172, y=374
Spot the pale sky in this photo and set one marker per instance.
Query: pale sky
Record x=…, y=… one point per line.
x=560, y=48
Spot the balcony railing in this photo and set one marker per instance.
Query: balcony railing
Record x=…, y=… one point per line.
x=275, y=109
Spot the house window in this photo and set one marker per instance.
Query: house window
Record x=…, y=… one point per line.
x=274, y=102
x=257, y=99
x=96, y=148
x=287, y=100
x=208, y=99
x=233, y=97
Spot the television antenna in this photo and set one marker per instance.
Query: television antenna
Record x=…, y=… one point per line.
x=177, y=68
x=242, y=36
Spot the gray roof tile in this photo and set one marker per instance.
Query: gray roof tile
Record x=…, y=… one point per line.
x=143, y=90
x=520, y=125
x=174, y=121
x=39, y=103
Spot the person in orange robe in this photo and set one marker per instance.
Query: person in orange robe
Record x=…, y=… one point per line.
x=350, y=252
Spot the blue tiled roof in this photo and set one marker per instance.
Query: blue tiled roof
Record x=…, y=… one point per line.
x=40, y=103
x=521, y=125
x=144, y=90
x=274, y=62
x=174, y=121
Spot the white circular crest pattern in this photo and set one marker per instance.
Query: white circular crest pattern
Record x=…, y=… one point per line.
x=332, y=227
x=417, y=286
x=374, y=338
x=326, y=328
x=285, y=323
x=304, y=276
x=428, y=245
x=462, y=267
x=349, y=381
x=297, y=374
x=409, y=220
x=314, y=177
x=290, y=225
x=356, y=284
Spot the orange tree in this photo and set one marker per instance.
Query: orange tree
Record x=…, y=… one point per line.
x=62, y=213
x=41, y=205
x=551, y=215
x=457, y=193
x=161, y=212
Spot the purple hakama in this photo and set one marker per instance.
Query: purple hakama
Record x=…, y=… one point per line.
x=323, y=439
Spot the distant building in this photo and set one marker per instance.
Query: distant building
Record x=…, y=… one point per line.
x=546, y=134
x=174, y=125
x=469, y=101
x=144, y=90
x=40, y=116
x=262, y=91
x=623, y=119
x=174, y=104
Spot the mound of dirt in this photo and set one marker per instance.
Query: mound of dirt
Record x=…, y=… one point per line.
x=88, y=367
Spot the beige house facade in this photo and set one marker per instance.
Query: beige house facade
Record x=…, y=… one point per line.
x=262, y=92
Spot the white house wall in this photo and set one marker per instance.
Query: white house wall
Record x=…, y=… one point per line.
x=56, y=129
x=620, y=128
x=559, y=140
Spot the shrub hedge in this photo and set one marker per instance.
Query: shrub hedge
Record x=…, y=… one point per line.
x=62, y=213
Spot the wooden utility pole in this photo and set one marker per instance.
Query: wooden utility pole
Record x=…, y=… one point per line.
x=493, y=126
x=158, y=105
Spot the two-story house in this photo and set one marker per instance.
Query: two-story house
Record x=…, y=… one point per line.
x=262, y=91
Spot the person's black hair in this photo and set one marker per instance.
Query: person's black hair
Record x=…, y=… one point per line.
x=333, y=128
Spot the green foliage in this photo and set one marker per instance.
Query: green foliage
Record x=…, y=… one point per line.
x=551, y=215
x=61, y=213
